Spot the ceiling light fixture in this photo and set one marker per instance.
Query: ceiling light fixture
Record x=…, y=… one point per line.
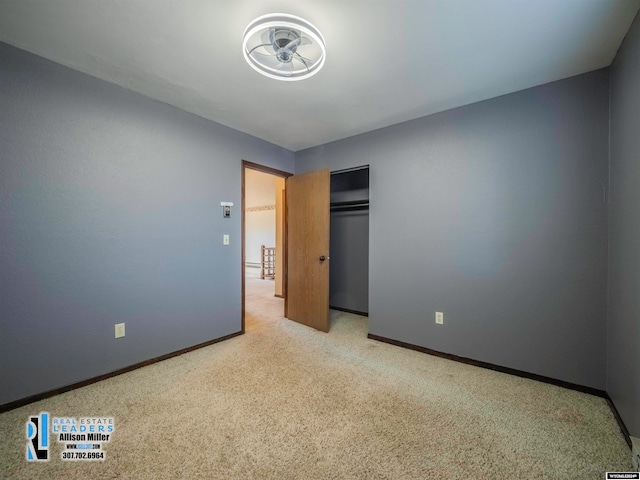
x=284, y=47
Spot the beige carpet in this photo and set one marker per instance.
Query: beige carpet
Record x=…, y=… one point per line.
x=287, y=402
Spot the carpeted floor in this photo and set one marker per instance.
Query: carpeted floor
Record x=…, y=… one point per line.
x=286, y=402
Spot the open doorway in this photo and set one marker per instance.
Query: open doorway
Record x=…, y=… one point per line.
x=263, y=244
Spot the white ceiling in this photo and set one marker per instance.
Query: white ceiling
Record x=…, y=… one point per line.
x=388, y=61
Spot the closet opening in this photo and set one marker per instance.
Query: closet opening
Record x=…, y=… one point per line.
x=349, y=231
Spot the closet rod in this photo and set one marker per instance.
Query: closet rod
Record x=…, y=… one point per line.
x=349, y=209
x=349, y=206
x=353, y=169
x=351, y=203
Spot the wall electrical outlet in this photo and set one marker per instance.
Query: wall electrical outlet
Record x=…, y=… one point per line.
x=225, y=239
x=119, y=330
x=439, y=318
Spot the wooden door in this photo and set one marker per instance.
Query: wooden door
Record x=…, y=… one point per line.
x=307, y=298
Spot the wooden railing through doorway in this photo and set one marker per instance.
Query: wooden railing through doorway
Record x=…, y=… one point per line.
x=268, y=266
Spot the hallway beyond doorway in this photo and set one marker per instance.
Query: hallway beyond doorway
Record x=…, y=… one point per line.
x=261, y=306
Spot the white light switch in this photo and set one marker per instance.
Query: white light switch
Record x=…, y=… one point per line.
x=225, y=239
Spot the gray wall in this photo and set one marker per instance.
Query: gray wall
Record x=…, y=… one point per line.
x=623, y=352
x=494, y=214
x=110, y=212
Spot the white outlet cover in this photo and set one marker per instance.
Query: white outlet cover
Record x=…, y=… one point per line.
x=119, y=327
x=439, y=318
